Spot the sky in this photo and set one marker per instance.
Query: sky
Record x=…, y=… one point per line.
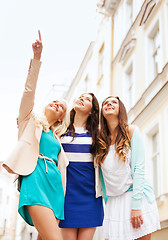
x=67, y=28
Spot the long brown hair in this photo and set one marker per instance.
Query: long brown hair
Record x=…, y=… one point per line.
x=92, y=123
x=122, y=142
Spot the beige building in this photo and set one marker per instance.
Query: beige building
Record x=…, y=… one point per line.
x=12, y=226
x=129, y=58
x=8, y=205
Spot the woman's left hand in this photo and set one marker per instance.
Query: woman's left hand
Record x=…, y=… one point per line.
x=136, y=218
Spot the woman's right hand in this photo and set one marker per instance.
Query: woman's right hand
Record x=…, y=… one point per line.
x=37, y=47
x=136, y=218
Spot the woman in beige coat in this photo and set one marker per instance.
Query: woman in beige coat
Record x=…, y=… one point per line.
x=38, y=158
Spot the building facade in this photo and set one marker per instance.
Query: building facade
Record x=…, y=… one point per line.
x=129, y=59
x=8, y=205
x=12, y=226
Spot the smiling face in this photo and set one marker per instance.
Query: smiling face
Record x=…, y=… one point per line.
x=110, y=107
x=84, y=104
x=55, y=111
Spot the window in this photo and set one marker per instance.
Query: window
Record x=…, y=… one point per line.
x=128, y=14
x=156, y=50
x=154, y=58
x=128, y=87
x=119, y=33
x=155, y=161
x=153, y=157
x=166, y=140
x=166, y=27
x=100, y=64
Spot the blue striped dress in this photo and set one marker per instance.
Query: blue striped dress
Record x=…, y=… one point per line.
x=82, y=208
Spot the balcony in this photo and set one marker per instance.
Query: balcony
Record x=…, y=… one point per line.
x=107, y=7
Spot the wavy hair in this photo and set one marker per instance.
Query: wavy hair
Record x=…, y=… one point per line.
x=92, y=124
x=122, y=143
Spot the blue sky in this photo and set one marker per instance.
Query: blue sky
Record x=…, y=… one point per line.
x=67, y=28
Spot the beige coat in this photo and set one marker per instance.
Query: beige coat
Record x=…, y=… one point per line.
x=23, y=159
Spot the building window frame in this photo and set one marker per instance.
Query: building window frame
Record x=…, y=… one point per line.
x=152, y=129
x=118, y=35
x=101, y=56
x=166, y=140
x=128, y=7
x=129, y=67
x=166, y=27
x=149, y=38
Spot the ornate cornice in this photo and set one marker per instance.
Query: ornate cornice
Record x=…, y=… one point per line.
x=127, y=49
x=107, y=7
x=158, y=87
x=148, y=9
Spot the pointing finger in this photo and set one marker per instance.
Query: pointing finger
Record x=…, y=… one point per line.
x=39, y=35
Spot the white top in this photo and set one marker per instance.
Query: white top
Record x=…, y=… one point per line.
x=116, y=173
x=78, y=149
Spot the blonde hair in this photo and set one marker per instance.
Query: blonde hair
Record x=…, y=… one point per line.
x=58, y=128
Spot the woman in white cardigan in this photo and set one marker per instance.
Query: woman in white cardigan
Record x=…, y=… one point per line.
x=130, y=211
x=39, y=159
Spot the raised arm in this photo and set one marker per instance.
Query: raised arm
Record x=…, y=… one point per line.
x=27, y=101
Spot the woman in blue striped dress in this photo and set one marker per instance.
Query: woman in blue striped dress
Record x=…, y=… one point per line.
x=83, y=205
